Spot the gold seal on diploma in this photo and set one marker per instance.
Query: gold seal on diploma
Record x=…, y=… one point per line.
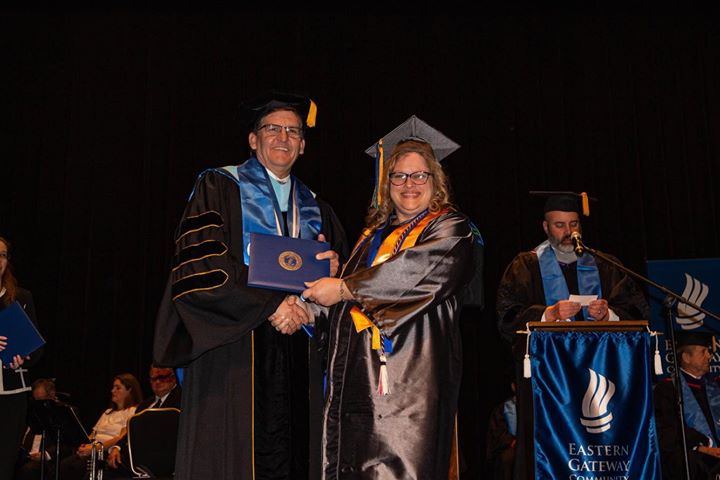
x=290, y=260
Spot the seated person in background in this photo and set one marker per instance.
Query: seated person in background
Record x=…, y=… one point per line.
x=701, y=401
x=110, y=427
x=42, y=389
x=166, y=394
x=501, y=438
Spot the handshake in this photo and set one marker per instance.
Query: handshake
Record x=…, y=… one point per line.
x=291, y=315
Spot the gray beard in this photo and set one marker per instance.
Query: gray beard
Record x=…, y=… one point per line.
x=564, y=253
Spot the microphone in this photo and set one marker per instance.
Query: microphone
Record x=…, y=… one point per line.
x=577, y=243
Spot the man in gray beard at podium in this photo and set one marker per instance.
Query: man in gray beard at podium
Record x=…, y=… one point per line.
x=536, y=287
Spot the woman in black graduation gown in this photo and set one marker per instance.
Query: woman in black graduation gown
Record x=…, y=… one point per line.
x=14, y=384
x=394, y=356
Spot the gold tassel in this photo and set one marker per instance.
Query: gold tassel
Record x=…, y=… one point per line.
x=585, y=204
x=312, y=115
x=380, y=173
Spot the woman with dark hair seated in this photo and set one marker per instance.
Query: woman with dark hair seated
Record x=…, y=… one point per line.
x=110, y=427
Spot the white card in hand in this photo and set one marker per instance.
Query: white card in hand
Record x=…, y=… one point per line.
x=583, y=300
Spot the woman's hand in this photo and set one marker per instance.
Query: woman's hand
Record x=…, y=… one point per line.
x=114, y=459
x=84, y=450
x=329, y=254
x=327, y=291
x=17, y=362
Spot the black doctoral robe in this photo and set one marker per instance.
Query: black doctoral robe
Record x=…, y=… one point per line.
x=414, y=298
x=521, y=299
x=702, y=466
x=245, y=393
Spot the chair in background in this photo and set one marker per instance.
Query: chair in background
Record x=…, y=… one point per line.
x=152, y=438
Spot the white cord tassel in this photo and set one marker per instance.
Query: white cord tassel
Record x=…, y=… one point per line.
x=527, y=373
x=658, y=363
x=383, y=383
x=657, y=359
x=527, y=370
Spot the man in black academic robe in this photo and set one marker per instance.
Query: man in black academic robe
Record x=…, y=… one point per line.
x=245, y=391
x=527, y=294
x=701, y=404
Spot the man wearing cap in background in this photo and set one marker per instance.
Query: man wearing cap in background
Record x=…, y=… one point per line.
x=245, y=392
x=395, y=358
x=536, y=287
x=701, y=405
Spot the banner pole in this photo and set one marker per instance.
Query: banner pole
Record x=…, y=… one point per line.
x=668, y=304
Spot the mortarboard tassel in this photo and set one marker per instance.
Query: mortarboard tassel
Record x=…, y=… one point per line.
x=585, y=204
x=312, y=115
x=379, y=162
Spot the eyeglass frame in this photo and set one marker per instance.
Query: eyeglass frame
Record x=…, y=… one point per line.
x=161, y=378
x=289, y=130
x=409, y=176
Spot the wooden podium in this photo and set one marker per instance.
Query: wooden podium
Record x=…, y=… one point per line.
x=622, y=326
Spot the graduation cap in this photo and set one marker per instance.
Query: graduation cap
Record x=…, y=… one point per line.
x=412, y=129
x=565, y=201
x=415, y=129
x=256, y=108
x=703, y=339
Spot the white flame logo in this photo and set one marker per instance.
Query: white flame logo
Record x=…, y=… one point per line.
x=596, y=418
x=687, y=317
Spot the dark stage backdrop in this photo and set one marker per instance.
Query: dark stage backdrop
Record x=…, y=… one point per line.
x=106, y=119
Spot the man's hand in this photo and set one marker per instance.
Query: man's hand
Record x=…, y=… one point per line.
x=331, y=254
x=3, y=343
x=290, y=315
x=562, y=310
x=598, y=309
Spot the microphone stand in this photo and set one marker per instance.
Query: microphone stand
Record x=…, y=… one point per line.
x=671, y=299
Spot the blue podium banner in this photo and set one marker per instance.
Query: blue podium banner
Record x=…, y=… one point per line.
x=698, y=280
x=592, y=401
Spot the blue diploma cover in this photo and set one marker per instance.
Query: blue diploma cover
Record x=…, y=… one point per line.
x=285, y=263
x=22, y=336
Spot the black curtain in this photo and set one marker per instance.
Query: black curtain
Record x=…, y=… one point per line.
x=107, y=118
